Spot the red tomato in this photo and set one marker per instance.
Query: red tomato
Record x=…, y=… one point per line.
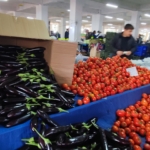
x=134, y=114
x=132, y=134
x=79, y=102
x=131, y=141
x=117, y=123
x=136, y=147
x=146, y=117
x=146, y=146
x=137, y=140
x=120, y=113
x=142, y=132
x=115, y=129
x=148, y=138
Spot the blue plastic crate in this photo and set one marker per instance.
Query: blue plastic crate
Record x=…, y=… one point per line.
x=141, y=51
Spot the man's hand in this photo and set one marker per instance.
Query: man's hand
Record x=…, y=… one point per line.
x=119, y=53
x=128, y=53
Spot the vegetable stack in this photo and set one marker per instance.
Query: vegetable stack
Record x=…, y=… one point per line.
x=80, y=136
x=27, y=86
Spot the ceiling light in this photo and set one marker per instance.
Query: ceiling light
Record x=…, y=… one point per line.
x=88, y=16
x=111, y=5
x=147, y=15
x=109, y=17
x=109, y=24
x=143, y=23
x=68, y=10
x=85, y=21
x=119, y=19
x=58, y=20
x=3, y=0
x=30, y=18
x=112, y=27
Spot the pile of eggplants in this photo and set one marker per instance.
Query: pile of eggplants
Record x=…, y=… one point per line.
x=79, y=136
x=27, y=85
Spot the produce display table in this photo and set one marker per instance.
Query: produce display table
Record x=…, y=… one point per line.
x=105, y=110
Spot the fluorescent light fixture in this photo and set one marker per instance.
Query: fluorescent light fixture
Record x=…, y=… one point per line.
x=88, y=16
x=85, y=21
x=58, y=20
x=119, y=19
x=68, y=10
x=147, y=15
x=143, y=23
x=3, y=0
x=111, y=5
x=30, y=18
x=108, y=17
x=109, y=24
x=112, y=27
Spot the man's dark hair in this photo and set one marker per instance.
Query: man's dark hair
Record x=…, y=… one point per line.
x=128, y=27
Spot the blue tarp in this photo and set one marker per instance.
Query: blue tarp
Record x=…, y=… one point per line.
x=105, y=110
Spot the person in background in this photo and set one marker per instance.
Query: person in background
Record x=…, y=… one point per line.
x=123, y=43
x=67, y=34
x=139, y=39
x=98, y=34
x=88, y=35
x=93, y=36
x=57, y=35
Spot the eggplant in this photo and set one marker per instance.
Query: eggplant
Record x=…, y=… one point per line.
x=10, y=108
x=43, y=129
x=17, y=65
x=16, y=92
x=18, y=81
x=8, y=81
x=3, y=119
x=9, y=62
x=57, y=130
x=116, y=139
x=76, y=141
x=35, y=50
x=25, y=147
x=53, y=110
x=34, y=123
x=103, y=139
x=61, y=96
x=19, y=120
x=26, y=90
x=16, y=71
x=15, y=100
x=35, y=87
x=68, y=93
x=20, y=111
x=3, y=56
x=46, y=118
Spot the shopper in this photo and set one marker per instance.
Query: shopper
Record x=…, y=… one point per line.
x=123, y=43
x=93, y=36
x=88, y=35
x=57, y=35
x=139, y=39
x=67, y=34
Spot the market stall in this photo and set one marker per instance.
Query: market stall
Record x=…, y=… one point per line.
x=105, y=111
x=102, y=83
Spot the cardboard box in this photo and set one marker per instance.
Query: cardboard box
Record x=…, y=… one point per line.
x=59, y=55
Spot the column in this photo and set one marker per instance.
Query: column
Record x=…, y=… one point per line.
x=62, y=27
x=135, y=21
x=75, y=21
x=97, y=22
x=42, y=13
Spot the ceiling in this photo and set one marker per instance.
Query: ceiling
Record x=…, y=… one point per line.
x=58, y=8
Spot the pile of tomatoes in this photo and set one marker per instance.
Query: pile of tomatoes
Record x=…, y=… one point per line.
x=97, y=78
x=135, y=121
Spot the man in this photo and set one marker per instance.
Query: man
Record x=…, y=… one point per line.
x=67, y=34
x=88, y=35
x=123, y=43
